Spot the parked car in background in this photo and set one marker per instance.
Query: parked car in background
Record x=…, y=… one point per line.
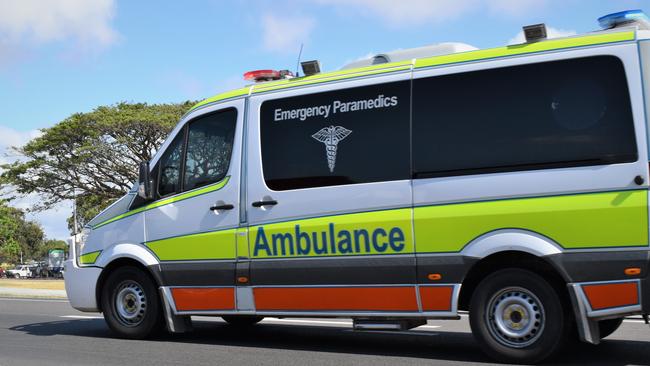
x=39, y=270
x=22, y=271
x=2, y=272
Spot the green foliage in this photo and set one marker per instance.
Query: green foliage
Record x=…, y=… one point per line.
x=92, y=155
x=17, y=234
x=48, y=245
x=10, y=250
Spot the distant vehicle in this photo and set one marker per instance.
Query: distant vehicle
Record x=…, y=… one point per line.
x=22, y=271
x=40, y=270
x=2, y=272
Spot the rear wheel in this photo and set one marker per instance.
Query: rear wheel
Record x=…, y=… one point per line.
x=130, y=303
x=242, y=320
x=518, y=317
x=609, y=326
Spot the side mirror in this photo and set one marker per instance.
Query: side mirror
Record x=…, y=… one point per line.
x=144, y=182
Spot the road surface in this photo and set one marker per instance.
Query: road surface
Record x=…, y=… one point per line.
x=50, y=332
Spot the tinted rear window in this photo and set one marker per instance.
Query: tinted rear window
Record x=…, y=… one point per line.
x=547, y=115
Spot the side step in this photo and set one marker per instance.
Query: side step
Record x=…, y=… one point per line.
x=387, y=324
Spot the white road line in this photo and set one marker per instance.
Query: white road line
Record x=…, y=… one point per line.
x=641, y=321
x=81, y=317
x=31, y=300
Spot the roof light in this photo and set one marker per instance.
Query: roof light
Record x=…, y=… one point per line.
x=535, y=32
x=267, y=75
x=310, y=67
x=624, y=18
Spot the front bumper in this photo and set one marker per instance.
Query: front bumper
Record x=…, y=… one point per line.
x=80, y=285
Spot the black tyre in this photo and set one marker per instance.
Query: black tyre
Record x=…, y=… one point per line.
x=131, y=304
x=242, y=320
x=609, y=326
x=518, y=317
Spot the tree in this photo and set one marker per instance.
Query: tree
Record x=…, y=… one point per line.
x=93, y=155
x=50, y=244
x=17, y=234
x=10, y=251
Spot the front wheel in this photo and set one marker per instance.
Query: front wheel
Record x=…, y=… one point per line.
x=131, y=304
x=518, y=317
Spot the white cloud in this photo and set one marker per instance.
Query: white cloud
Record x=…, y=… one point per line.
x=87, y=25
x=10, y=137
x=550, y=33
x=55, y=20
x=286, y=33
x=13, y=138
x=405, y=12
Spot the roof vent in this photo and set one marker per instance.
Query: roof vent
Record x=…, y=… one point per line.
x=535, y=32
x=380, y=59
x=310, y=67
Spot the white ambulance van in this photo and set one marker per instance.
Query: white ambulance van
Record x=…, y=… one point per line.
x=510, y=183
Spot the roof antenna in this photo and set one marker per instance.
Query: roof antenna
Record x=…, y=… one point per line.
x=298, y=63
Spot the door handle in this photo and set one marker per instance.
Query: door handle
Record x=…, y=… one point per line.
x=226, y=206
x=265, y=203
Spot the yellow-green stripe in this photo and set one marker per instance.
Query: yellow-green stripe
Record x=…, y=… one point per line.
x=89, y=258
x=208, y=246
x=612, y=219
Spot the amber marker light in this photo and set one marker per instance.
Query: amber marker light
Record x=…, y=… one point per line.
x=633, y=271
x=434, y=276
x=242, y=279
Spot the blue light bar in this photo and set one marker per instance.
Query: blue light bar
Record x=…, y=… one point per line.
x=622, y=17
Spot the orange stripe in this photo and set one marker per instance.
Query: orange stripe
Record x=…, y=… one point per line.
x=187, y=299
x=436, y=298
x=612, y=295
x=336, y=298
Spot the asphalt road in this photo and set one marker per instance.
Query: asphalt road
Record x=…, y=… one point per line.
x=50, y=332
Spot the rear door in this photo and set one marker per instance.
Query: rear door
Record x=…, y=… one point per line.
x=329, y=198
x=191, y=228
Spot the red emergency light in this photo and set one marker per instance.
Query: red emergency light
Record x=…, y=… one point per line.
x=267, y=75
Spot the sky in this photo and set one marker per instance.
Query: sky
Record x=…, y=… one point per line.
x=59, y=57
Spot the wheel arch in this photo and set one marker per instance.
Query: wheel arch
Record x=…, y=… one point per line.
x=511, y=248
x=122, y=255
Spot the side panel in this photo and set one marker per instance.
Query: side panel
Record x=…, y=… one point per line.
x=339, y=238
x=195, y=244
x=578, y=208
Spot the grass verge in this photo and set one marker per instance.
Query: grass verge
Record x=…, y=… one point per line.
x=32, y=284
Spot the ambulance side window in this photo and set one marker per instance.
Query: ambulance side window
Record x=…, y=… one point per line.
x=346, y=136
x=209, y=147
x=557, y=114
x=170, y=167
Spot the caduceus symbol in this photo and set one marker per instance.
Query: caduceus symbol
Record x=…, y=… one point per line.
x=331, y=136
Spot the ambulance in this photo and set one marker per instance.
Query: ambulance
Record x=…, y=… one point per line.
x=509, y=184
